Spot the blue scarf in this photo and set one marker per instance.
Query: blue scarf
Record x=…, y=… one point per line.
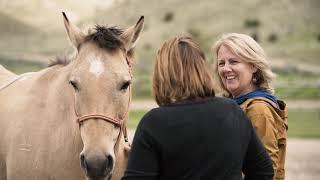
x=256, y=93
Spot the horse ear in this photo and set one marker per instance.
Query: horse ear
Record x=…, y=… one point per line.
x=75, y=35
x=131, y=35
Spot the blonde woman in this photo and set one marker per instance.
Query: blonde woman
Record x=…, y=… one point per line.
x=193, y=134
x=244, y=74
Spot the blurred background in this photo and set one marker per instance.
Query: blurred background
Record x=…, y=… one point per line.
x=32, y=33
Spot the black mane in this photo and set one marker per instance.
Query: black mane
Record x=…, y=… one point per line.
x=106, y=37
x=103, y=36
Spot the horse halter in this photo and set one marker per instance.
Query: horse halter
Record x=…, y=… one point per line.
x=122, y=123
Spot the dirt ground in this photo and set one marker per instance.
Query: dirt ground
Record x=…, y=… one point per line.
x=303, y=158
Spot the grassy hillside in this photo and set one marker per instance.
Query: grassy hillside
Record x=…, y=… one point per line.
x=45, y=14
x=295, y=24
x=34, y=28
x=11, y=26
x=18, y=38
x=289, y=31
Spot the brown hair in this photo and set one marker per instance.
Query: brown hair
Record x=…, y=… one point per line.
x=181, y=72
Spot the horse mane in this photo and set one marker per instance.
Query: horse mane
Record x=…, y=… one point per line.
x=106, y=37
x=103, y=36
x=60, y=60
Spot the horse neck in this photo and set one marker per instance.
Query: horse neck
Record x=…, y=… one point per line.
x=54, y=104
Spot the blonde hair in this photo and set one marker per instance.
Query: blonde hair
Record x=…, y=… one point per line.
x=181, y=72
x=250, y=51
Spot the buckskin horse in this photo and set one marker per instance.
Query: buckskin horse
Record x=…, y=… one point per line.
x=68, y=121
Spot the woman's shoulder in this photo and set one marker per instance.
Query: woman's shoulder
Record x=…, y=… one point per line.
x=258, y=102
x=258, y=106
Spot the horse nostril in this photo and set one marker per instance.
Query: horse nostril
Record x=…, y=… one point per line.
x=83, y=162
x=109, y=163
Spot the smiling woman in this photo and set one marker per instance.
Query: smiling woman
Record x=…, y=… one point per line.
x=236, y=74
x=244, y=74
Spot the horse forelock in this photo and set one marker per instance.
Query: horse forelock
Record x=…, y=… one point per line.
x=106, y=37
x=103, y=36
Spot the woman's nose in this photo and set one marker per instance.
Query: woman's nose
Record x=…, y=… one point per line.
x=226, y=68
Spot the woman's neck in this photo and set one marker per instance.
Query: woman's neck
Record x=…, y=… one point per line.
x=244, y=92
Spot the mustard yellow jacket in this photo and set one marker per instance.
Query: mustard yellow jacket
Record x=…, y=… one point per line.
x=271, y=123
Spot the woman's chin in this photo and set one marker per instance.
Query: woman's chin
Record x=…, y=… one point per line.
x=232, y=89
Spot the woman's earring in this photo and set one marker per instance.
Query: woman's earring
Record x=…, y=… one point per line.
x=254, y=79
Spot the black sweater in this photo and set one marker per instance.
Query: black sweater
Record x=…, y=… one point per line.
x=204, y=139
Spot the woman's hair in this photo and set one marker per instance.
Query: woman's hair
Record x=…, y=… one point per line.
x=249, y=51
x=181, y=72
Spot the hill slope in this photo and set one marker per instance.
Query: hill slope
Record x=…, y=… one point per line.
x=287, y=29
x=294, y=22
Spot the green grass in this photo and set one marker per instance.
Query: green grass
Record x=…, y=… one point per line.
x=302, y=123
x=298, y=93
x=135, y=117
x=290, y=85
x=297, y=85
x=19, y=67
x=294, y=75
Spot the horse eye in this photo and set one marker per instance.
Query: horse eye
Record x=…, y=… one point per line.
x=74, y=84
x=125, y=85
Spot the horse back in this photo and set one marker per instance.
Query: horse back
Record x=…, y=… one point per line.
x=5, y=75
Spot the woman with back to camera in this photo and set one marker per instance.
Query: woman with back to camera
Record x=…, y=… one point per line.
x=244, y=74
x=193, y=134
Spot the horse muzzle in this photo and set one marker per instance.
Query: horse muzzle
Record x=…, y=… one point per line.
x=97, y=166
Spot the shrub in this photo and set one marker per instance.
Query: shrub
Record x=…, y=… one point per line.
x=252, y=23
x=168, y=17
x=147, y=46
x=273, y=37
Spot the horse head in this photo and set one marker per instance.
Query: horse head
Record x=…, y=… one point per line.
x=100, y=79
